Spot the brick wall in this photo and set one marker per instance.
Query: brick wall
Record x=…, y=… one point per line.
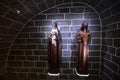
x=8, y=29
x=28, y=55
x=111, y=43
x=10, y=23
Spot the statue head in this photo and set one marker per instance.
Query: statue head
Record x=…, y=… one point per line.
x=54, y=25
x=84, y=26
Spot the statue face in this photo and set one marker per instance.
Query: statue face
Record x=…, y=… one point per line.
x=84, y=26
x=54, y=27
x=85, y=23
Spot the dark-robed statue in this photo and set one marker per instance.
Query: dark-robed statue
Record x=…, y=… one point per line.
x=83, y=38
x=54, y=50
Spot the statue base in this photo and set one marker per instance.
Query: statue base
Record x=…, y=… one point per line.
x=82, y=75
x=52, y=74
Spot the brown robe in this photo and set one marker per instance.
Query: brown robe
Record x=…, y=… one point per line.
x=54, y=55
x=82, y=60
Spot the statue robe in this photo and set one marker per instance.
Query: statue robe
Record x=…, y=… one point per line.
x=54, y=54
x=82, y=60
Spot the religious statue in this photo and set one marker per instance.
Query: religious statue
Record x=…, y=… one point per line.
x=83, y=38
x=54, y=50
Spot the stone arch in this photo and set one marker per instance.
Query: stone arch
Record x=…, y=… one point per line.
x=25, y=48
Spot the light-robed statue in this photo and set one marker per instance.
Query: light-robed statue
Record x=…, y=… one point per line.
x=54, y=50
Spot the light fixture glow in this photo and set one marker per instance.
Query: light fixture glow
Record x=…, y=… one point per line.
x=18, y=11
